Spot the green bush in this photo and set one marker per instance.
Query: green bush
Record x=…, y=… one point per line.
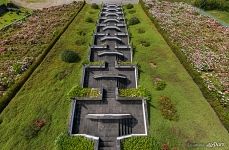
x=67, y=142
x=80, y=41
x=82, y=33
x=94, y=6
x=129, y=6
x=134, y=21
x=140, y=30
x=133, y=92
x=140, y=143
x=32, y=130
x=212, y=4
x=167, y=108
x=89, y=20
x=17, y=68
x=159, y=84
x=69, y=56
x=132, y=11
x=78, y=91
x=144, y=43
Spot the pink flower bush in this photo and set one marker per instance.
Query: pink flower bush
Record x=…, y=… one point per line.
x=203, y=40
x=22, y=43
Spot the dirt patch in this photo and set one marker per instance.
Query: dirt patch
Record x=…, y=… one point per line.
x=39, y=4
x=153, y=65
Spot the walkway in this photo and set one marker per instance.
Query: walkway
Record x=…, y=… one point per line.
x=109, y=118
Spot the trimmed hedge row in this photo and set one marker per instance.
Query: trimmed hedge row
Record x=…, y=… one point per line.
x=133, y=92
x=66, y=142
x=12, y=91
x=196, y=76
x=140, y=143
x=78, y=91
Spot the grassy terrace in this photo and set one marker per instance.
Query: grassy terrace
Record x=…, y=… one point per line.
x=197, y=122
x=43, y=99
x=10, y=17
x=221, y=15
x=218, y=14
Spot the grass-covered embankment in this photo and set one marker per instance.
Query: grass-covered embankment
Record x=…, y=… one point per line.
x=219, y=9
x=42, y=101
x=197, y=122
x=12, y=16
x=221, y=15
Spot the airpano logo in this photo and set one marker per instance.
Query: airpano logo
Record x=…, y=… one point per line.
x=215, y=144
x=208, y=145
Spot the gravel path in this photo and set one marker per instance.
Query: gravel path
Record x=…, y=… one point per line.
x=40, y=5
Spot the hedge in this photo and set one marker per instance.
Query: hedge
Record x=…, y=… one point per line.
x=140, y=143
x=78, y=91
x=12, y=91
x=67, y=142
x=133, y=92
x=196, y=76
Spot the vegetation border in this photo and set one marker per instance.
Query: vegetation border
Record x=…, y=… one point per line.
x=12, y=91
x=196, y=76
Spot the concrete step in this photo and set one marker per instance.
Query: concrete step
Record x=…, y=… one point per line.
x=107, y=143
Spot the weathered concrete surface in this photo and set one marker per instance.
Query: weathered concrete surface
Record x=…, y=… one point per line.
x=110, y=120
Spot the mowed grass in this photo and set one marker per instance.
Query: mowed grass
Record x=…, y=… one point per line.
x=3, y=2
x=44, y=96
x=197, y=122
x=221, y=15
x=10, y=17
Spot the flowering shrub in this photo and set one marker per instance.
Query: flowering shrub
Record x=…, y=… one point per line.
x=168, y=109
x=25, y=41
x=32, y=130
x=201, y=39
x=159, y=84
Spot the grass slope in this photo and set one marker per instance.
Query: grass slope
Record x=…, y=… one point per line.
x=3, y=2
x=45, y=94
x=10, y=17
x=197, y=120
x=218, y=14
x=221, y=15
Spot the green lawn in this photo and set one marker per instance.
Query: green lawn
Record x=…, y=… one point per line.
x=221, y=15
x=3, y=2
x=44, y=95
x=10, y=17
x=197, y=120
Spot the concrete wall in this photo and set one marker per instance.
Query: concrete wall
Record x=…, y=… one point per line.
x=113, y=1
